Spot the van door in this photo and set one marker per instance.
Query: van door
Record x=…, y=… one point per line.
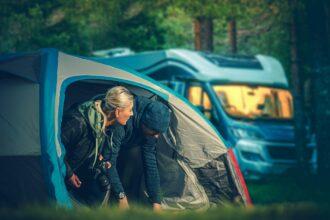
x=198, y=97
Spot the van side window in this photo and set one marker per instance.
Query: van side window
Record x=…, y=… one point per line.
x=200, y=99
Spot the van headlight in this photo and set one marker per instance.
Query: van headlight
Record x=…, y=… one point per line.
x=246, y=134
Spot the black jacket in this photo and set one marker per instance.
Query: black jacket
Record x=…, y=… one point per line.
x=78, y=139
x=133, y=136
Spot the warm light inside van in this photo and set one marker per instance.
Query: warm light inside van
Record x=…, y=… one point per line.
x=255, y=102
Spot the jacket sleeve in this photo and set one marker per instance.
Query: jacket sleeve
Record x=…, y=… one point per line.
x=71, y=132
x=118, y=135
x=150, y=168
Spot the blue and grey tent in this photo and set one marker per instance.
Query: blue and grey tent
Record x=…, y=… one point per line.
x=195, y=167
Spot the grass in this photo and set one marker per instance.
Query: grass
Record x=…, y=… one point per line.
x=285, y=197
x=284, y=211
x=290, y=188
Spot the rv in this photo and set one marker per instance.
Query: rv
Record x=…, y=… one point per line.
x=247, y=99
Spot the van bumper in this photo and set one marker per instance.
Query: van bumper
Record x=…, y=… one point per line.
x=258, y=159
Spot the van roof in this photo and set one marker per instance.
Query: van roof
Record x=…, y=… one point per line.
x=259, y=69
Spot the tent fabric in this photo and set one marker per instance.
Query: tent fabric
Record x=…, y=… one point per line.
x=193, y=138
x=19, y=117
x=180, y=186
x=22, y=181
x=47, y=82
x=26, y=66
x=217, y=181
x=52, y=152
x=238, y=176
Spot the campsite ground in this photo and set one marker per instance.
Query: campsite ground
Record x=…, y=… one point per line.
x=285, y=197
x=300, y=211
x=290, y=188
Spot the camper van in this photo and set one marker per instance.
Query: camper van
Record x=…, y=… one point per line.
x=247, y=99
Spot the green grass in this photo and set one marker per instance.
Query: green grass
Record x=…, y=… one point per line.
x=290, y=189
x=284, y=211
x=285, y=197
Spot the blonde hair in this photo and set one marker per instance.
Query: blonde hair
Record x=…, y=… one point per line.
x=117, y=97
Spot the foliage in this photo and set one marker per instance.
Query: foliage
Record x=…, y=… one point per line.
x=83, y=26
x=178, y=28
x=262, y=26
x=79, y=26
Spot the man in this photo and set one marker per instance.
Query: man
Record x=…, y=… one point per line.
x=149, y=120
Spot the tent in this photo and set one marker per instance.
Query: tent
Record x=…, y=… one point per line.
x=196, y=169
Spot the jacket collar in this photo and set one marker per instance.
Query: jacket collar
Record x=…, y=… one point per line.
x=93, y=113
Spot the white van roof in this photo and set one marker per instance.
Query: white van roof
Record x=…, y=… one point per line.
x=259, y=69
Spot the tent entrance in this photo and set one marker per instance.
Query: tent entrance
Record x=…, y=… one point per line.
x=179, y=185
x=84, y=90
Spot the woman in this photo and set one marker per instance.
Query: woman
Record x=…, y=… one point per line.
x=87, y=132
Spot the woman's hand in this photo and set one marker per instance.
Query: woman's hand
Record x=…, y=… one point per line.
x=75, y=181
x=157, y=207
x=123, y=204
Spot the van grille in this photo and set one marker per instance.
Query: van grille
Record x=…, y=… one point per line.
x=286, y=153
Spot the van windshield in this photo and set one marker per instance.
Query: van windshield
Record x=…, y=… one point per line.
x=255, y=102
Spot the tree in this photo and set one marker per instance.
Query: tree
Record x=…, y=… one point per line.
x=203, y=29
x=205, y=13
x=232, y=35
x=297, y=84
x=202, y=14
x=261, y=28
x=319, y=33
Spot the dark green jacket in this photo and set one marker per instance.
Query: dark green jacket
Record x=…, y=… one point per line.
x=83, y=137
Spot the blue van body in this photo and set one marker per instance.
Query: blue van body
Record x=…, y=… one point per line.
x=262, y=145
